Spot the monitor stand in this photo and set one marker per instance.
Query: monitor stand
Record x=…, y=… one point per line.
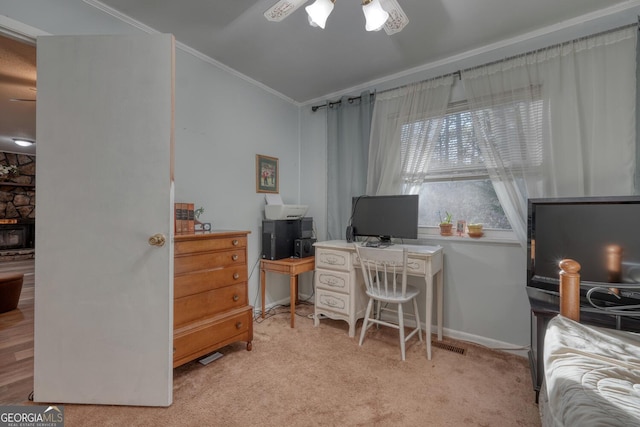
x=383, y=242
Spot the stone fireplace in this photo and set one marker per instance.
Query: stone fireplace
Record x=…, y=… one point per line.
x=17, y=207
x=17, y=236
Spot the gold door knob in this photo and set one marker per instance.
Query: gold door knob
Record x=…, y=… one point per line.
x=234, y=257
x=236, y=297
x=235, y=242
x=236, y=276
x=157, y=240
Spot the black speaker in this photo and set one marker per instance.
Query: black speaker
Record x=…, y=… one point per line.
x=349, y=234
x=304, y=248
x=306, y=228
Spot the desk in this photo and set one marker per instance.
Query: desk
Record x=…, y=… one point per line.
x=339, y=295
x=290, y=266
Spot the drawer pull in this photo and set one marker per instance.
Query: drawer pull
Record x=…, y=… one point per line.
x=236, y=276
x=238, y=325
x=234, y=257
x=236, y=297
x=235, y=242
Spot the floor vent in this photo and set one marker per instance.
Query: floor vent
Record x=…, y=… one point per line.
x=449, y=347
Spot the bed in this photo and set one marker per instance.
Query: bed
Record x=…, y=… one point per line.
x=591, y=374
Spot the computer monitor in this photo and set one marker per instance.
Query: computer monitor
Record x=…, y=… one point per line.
x=385, y=217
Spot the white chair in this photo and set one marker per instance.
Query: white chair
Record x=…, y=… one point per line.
x=385, y=276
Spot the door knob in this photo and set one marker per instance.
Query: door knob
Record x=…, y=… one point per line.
x=157, y=240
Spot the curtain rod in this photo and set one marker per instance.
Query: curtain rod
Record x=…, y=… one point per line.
x=612, y=30
x=354, y=98
x=459, y=72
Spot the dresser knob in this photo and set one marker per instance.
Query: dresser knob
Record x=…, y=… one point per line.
x=234, y=257
x=235, y=242
x=236, y=297
x=236, y=276
x=238, y=325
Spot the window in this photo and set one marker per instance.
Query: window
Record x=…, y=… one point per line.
x=452, y=174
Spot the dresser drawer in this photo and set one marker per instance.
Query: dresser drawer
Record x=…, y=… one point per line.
x=189, y=343
x=209, y=260
x=196, y=244
x=333, y=259
x=337, y=281
x=202, y=281
x=198, y=306
x=333, y=301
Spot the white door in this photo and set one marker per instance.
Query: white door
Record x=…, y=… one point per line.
x=103, y=297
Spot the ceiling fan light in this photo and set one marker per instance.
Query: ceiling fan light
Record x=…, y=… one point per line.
x=374, y=14
x=23, y=142
x=319, y=11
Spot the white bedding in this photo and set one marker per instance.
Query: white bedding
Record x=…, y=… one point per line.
x=592, y=376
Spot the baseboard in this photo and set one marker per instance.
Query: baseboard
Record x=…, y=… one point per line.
x=491, y=343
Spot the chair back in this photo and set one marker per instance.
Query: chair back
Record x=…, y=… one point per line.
x=384, y=270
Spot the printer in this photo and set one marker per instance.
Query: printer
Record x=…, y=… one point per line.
x=275, y=209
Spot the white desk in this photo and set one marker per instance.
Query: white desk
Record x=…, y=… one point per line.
x=339, y=295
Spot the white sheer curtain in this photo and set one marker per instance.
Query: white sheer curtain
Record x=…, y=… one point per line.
x=392, y=167
x=558, y=122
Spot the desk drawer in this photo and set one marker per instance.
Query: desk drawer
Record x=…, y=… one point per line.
x=332, y=301
x=415, y=266
x=333, y=259
x=337, y=281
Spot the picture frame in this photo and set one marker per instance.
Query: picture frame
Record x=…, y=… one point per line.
x=460, y=227
x=267, y=179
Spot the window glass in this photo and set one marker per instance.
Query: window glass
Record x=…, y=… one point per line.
x=474, y=201
x=456, y=179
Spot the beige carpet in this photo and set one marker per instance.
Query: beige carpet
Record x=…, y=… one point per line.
x=311, y=376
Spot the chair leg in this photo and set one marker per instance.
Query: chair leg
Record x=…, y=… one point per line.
x=401, y=329
x=366, y=320
x=417, y=316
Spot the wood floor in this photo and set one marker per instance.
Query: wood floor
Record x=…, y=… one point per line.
x=16, y=339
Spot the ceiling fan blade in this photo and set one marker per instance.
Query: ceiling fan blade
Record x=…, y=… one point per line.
x=282, y=9
x=397, y=18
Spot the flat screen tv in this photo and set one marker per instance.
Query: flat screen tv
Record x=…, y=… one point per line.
x=601, y=233
x=385, y=217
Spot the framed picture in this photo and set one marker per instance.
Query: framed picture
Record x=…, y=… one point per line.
x=460, y=227
x=267, y=180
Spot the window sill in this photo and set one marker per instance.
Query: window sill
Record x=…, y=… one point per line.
x=491, y=236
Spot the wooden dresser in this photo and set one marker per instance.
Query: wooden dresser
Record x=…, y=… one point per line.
x=211, y=302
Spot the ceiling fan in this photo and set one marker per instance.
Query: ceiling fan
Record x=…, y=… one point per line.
x=380, y=14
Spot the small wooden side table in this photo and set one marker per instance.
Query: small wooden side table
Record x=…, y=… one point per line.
x=290, y=266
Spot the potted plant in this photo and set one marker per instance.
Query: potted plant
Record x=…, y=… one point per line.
x=474, y=230
x=446, y=225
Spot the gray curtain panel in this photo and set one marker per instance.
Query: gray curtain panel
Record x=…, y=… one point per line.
x=348, y=128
